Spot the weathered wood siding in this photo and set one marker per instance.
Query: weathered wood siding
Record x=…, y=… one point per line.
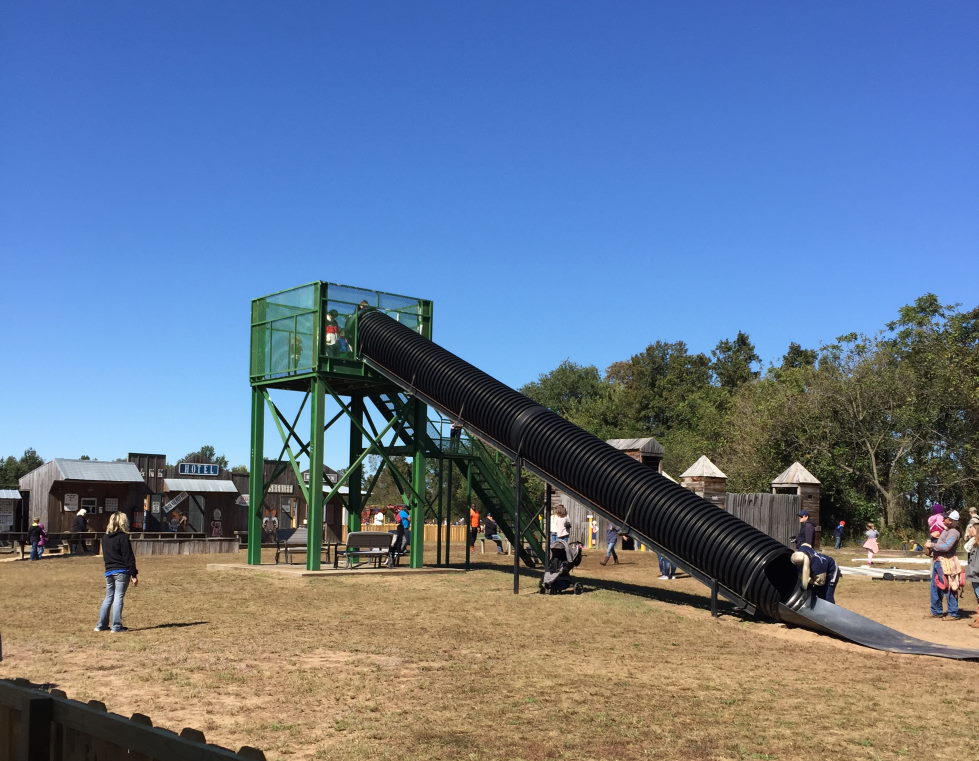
x=775, y=514
x=184, y=546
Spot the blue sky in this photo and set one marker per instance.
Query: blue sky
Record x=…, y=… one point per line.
x=563, y=179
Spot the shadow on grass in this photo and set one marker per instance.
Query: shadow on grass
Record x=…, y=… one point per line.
x=174, y=625
x=592, y=583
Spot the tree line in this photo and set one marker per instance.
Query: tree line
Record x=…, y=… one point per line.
x=889, y=423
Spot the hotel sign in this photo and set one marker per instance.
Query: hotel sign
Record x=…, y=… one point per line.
x=198, y=469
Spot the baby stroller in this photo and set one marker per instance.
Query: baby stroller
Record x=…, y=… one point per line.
x=557, y=578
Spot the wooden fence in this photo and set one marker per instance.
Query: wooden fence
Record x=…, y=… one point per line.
x=457, y=533
x=40, y=725
x=775, y=514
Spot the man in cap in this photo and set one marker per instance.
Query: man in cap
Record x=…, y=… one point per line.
x=807, y=532
x=817, y=572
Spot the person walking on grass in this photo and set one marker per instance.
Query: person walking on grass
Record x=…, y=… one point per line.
x=667, y=571
x=473, y=526
x=838, y=535
x=120, y=569
x=807, y=531
x=945, y=569
x=37, y=537
x=611, y=538
x=871, y=545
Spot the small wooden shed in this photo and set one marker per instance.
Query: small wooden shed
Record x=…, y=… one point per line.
x=10, y=503
x=706, y=480
x=797, y=480
x=59, y=488
x=647, y=450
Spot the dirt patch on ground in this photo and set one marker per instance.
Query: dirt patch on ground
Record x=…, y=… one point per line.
x=456, y=666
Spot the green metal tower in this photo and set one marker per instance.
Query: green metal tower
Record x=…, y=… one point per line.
x=298, y=344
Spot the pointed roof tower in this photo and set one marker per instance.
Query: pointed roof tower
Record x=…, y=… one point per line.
x=794, y=474
x=704, y=468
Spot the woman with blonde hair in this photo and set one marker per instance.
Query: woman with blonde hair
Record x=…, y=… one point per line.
x=120, y=568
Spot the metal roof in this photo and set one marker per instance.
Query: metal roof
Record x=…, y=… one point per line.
x=649, y=445
x=9, y=494
x=198, y=484
x=94, y=470
x=703, y=468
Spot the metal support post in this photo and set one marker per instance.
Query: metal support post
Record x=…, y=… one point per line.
x=517, y=536
x=256, y=480
x=419, y=420
x=354, y=497
x=314, y=526
x=547, y=526
x=448, y=515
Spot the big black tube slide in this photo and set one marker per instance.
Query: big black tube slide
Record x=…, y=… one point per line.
x=708, y=541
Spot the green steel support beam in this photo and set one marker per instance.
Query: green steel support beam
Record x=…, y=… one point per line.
x=256, y=487
x=314, y=536
x=277, y=418
x=418, y=472
x=355, y=478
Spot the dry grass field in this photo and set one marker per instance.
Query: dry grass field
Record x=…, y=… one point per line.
x=455, y=666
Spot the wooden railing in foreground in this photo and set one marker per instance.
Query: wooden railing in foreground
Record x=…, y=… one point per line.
x=44, y=725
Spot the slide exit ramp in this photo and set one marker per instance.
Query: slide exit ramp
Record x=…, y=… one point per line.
x=737, y=560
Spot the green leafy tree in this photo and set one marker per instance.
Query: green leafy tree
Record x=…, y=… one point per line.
x=12, y=468
x=388, y=489
x=206, y=454
x=660, y=389
x=886, y=422
x=565, y=388
x=734, y=361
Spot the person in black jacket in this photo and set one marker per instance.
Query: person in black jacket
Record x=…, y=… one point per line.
x=120, y=568
x=36, y=536
x=77, y=526
x=807, y=531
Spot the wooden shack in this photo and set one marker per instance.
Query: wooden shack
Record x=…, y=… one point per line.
x=797, y=480
x=59, y=488
x=10, y=507
x=647, y=450
x=706, y=480
x=208, y=503
x=285, y=506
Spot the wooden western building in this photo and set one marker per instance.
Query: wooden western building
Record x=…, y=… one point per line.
x=60, y=488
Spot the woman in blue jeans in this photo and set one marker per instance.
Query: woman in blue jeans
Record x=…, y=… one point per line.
x=37, y=536
x=120, y=568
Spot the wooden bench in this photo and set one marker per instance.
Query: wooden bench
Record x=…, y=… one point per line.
x=293, y=541
x=482, y=539
x=373, y=545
